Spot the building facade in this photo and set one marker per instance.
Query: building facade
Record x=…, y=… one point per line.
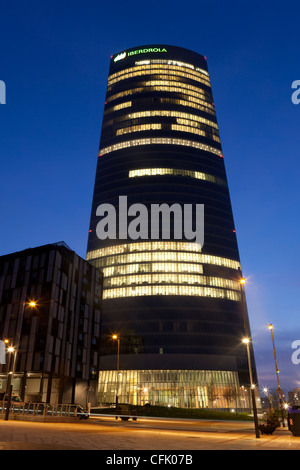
x=176, y=304
x=50, y=300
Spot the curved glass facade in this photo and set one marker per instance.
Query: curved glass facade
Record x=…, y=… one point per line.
x=176, y=305
x=179, y=388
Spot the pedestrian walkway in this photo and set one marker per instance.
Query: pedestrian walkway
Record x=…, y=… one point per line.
x=117, y=435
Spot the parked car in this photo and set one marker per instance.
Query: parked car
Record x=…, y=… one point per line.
x=125, y=413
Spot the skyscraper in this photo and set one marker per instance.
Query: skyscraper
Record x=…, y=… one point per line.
x=176, y=305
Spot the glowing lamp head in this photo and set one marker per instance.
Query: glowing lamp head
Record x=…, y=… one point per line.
x=270, y=326
x=246, y=340
x=32, y=303
x=114, y=336
x=243, y=281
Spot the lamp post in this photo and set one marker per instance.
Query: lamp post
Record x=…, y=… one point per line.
x=118, y=366
x=269, y=397
x=6, y=341
x=244, y=307
x=247, y=341
x=14, y=350
x=279, y=390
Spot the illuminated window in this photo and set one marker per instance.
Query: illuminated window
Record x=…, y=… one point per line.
x=150, y=290
x=123, y=93
x=176, y=172
x=178, y=388
x=170, y=278
x=182, y=118
x=158, y=69
x=174, y=127
x=158, y=252
x=145, y=246
x=172, y=62
x=117, y=107
x=191, y=102
x=159, y=141
x=193, y=130
x=141, y=127
x=201, y=124
x=164, y=86
x=140, y=268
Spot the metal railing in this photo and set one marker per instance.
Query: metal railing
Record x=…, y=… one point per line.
x=40, y=409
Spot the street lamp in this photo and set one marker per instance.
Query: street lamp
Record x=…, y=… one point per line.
x=118, y=367
x=279, y=390
x=269, y=397
x=10, y=377
x=247, y=341
x=242, y=282
x=14, y=350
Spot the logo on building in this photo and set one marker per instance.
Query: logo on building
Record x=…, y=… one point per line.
x=145, y=51
x=156, y=223
x=120, y=57
x=2, y=92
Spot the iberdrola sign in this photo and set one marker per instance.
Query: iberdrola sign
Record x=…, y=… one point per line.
x=139, y=51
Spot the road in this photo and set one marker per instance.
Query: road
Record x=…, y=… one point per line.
x=144, y=434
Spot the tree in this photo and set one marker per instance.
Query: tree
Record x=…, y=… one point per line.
x=212, y=393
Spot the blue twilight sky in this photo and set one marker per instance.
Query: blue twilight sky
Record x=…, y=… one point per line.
x=54, y=60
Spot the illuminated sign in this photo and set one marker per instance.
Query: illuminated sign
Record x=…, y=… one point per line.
x=120, y=56
x=139, y=51
x=144, y=51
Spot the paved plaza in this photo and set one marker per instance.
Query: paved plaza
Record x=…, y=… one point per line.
x=102, y=434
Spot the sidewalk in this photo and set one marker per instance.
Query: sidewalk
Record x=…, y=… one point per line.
x=116, y=435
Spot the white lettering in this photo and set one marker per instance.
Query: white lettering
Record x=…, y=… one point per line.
x=141, y=221
x=173, y=459
x=161, y=217
x=295, y=358
x=165, y=212
x=123, y=217
x=109, y=221
x=117, y=460
x=2, y=92
x=295, y=99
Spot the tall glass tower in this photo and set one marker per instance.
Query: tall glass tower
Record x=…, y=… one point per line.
x=177, y=306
